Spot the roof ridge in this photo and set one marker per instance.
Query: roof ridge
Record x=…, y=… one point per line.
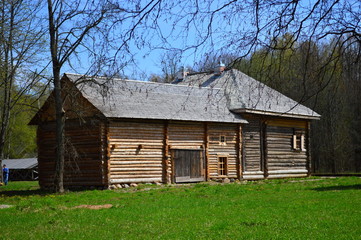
x=145, y=82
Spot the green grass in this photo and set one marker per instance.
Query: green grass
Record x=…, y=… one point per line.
x=315, y=208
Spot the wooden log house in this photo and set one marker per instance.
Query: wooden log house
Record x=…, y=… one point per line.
x=207, y=126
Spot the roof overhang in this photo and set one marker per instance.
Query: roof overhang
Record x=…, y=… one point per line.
x=277, y=114
x=22, y=163
x=175, y=120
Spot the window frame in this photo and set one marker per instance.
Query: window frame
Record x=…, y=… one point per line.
x=223, y=163
x=298, y=142
x=222, y=139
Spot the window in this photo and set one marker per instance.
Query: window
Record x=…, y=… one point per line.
x=222, y=140
x=299, y=142
x=222, y=166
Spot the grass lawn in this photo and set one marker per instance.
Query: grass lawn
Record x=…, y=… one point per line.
x=313, y=208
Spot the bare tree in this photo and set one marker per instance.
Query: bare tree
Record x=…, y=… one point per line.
x=241, y=27
x=21, y=38
x=76, y=27
x=70, y=22
x=170, y=64
x=212, y=60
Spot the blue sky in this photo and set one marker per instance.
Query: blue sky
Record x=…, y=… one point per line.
x=232, y=31
x=170, y=32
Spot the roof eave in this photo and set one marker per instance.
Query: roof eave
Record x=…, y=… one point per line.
x=112, y=118
x=277, y=114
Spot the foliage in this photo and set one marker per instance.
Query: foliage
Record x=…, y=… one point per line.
x=307, y=50
x=325, y=78
x=20, y=48
x=275, y=209
x=20, y=140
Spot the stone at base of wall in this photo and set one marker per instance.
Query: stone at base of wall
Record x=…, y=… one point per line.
x=128, y=185
x=226, y=180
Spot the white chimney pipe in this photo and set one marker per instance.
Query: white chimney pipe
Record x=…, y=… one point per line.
x=220, y=69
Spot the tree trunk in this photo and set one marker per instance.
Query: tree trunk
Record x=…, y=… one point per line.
x=8, y=79
x=60, y=122
x=60, y=118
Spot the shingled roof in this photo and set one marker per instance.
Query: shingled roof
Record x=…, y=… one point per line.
x=247, y=95
x=23, y=163
x=118, y=98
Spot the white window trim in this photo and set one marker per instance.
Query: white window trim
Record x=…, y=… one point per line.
x=225, y=139
x=294, y=143
x=225, y=165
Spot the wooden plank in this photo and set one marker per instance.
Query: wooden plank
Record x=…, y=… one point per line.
x=165, y=177
x=136, y=180
x=85, y=139
x=271, y=176
x=283, y=122
x=138, y=149
x=252, y=144
x=253, y=177
x=288, y=171
x=264, y=159
x=188, y=164
x=280, y=153
x=136, y=168
x=308, y=150
x=132, y=174
x=229, y=148
x=239, y=151
x=135, y=162
x=173, y=167
x=206, y=150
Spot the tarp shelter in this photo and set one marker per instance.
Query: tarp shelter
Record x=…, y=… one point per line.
x=22, y=169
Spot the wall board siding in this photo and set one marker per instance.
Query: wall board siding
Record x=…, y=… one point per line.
x=252, y=145
x=184, y=135
x=136, y=151
x=75, y=106
x=82, y=156
x=282, y=158
x=125, y=151
x=290, y=123
x=227, y=149
x=268, y=147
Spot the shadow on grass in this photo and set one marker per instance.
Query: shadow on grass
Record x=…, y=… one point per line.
x=338, y=188
x=35, y=192
x=23, y=193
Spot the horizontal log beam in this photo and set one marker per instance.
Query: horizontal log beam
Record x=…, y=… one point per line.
x=136, y=180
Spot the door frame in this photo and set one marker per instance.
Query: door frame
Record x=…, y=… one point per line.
x=203, y=166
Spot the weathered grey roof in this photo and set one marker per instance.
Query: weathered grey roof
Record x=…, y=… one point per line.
x=119, y=98
x=247, y=95
x=23, y=163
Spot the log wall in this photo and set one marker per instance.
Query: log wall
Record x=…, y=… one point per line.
x=282, y=159
x=268, y=148
x=228, y=149
x=252, y=149
x=83, y=161
x=125, y=151
x=136, y=152
x=74, y=105
x=184, y=135
x=142, y=151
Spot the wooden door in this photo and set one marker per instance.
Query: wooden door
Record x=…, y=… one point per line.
x=188, y=166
